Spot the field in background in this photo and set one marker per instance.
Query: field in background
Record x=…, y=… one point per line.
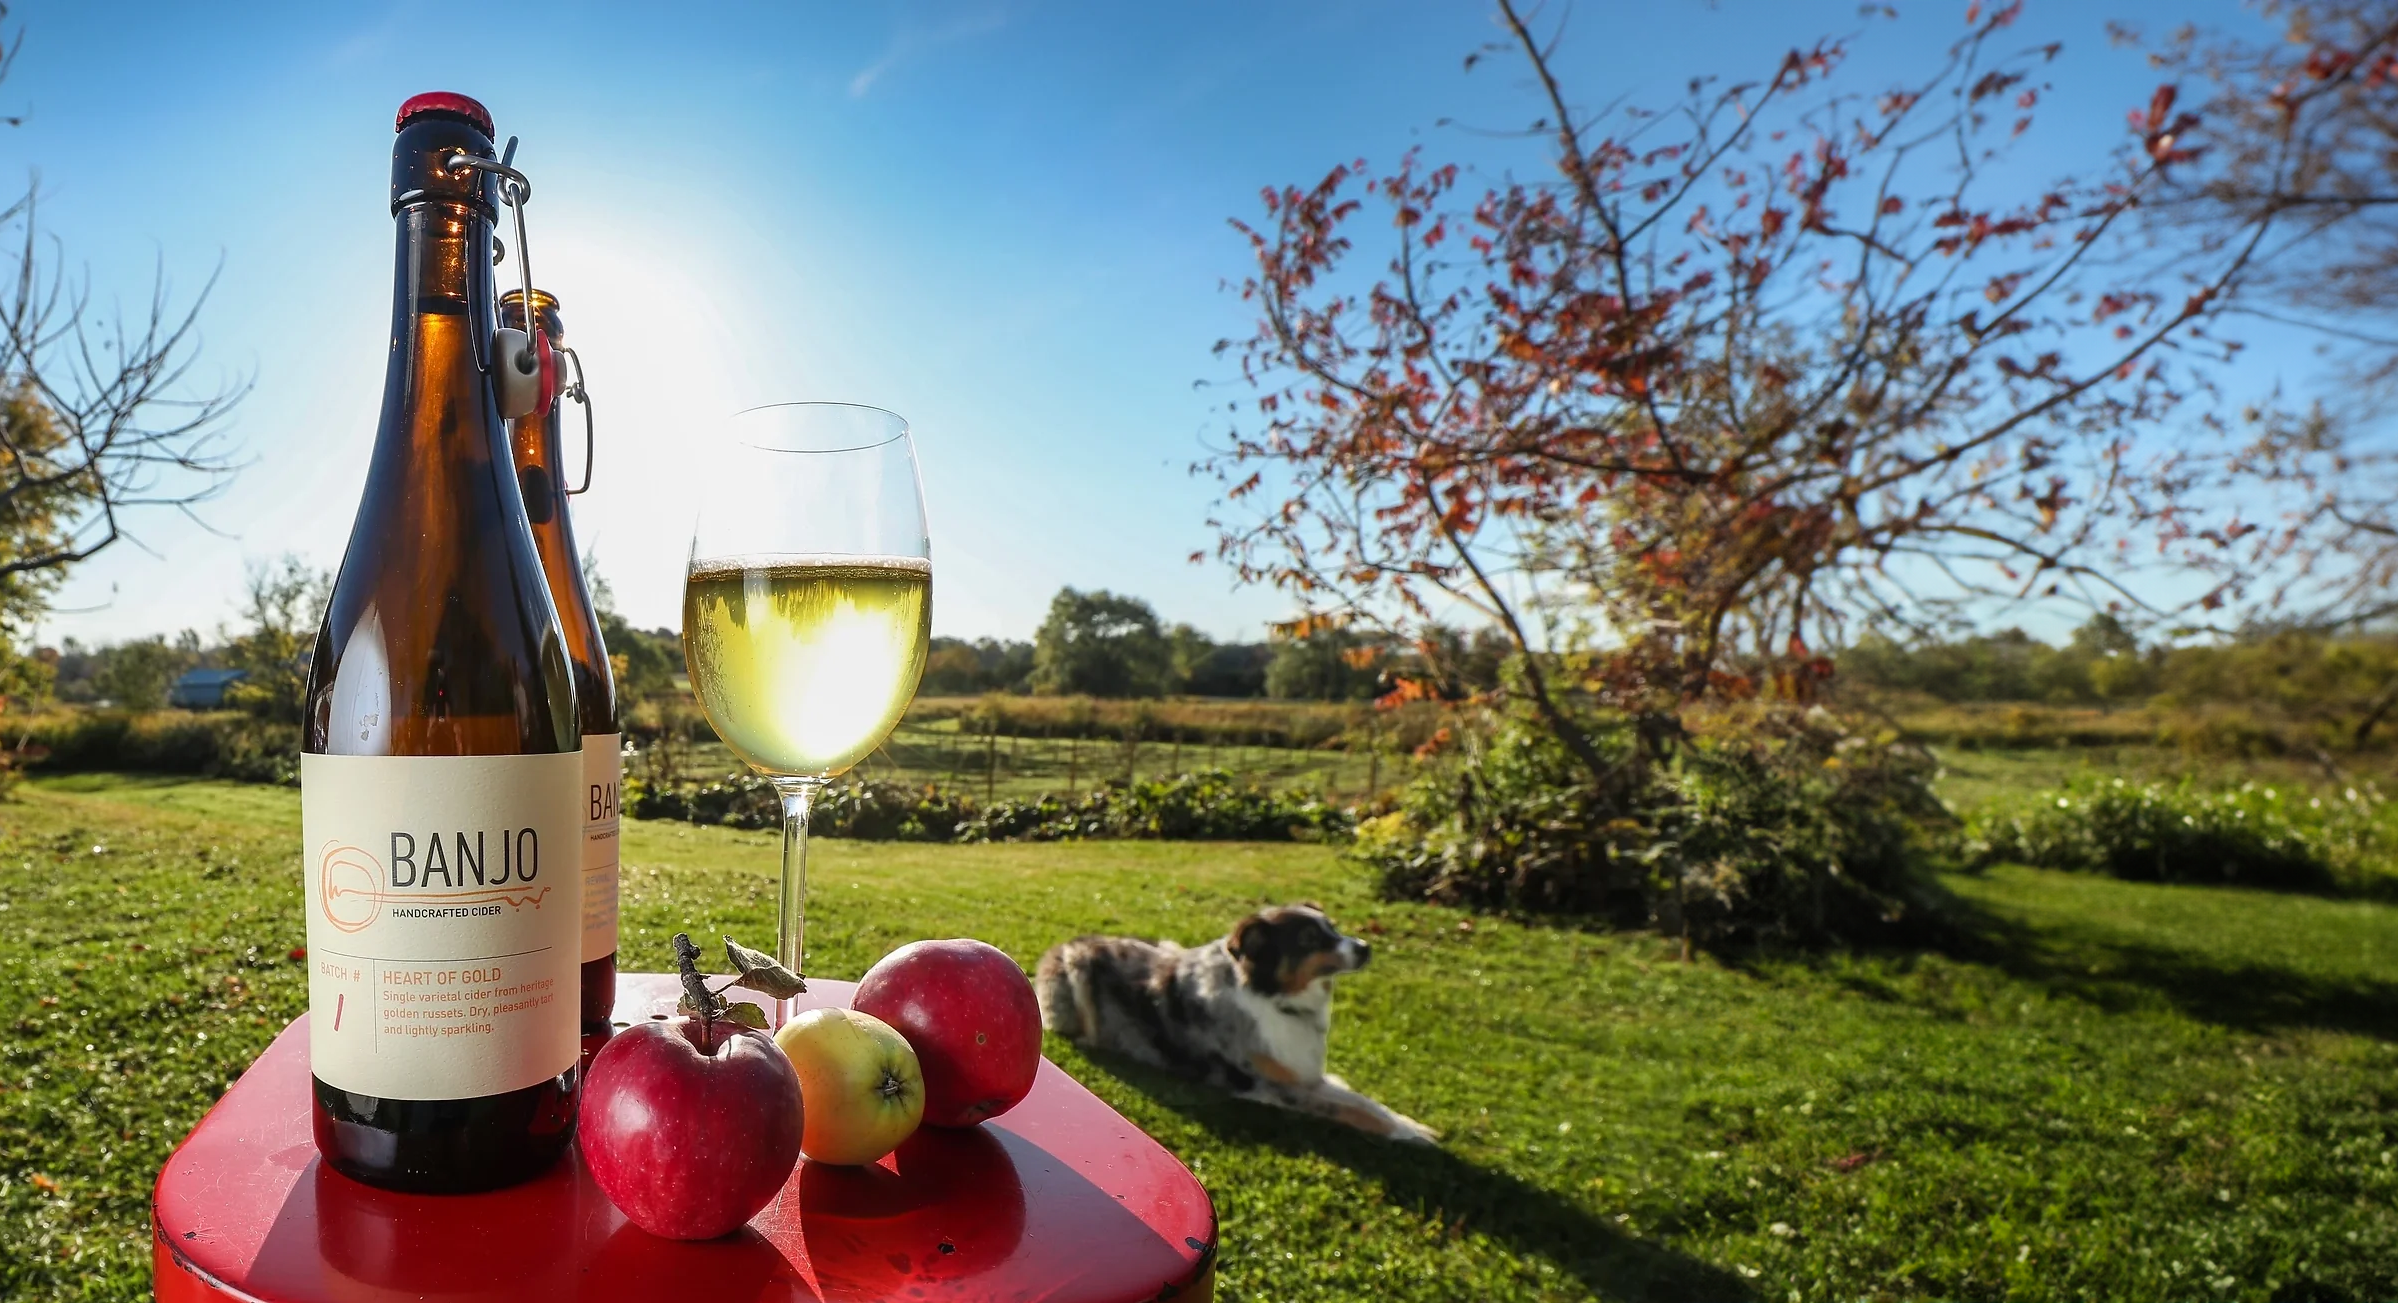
x=2100, y=1090
x=1017, y=747
x=1987, y=750
x=937, y=752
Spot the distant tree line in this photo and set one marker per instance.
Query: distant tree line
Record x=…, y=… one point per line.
x=282, y=602
x=2101, y=662
x=271, y=641
x=1102, y=644
x=2342, y=690
x=1092, y=643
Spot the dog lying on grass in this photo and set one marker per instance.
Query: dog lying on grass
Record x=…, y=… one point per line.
x=1250, y=1012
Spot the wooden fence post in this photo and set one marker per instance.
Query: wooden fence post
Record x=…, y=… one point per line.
x=1373, y=761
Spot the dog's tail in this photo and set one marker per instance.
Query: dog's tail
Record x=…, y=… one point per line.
x=1053, y=985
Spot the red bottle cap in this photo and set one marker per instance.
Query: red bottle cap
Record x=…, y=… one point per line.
x=444, y=101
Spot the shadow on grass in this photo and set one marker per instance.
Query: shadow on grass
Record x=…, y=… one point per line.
x=1456, y=1194
x=2118, y=973
x=2105, y=968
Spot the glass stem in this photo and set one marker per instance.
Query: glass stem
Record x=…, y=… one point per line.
x=791, y=923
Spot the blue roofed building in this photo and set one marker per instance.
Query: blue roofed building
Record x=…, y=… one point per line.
x=203, y=689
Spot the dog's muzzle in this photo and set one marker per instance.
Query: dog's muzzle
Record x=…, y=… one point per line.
x=1355, y=953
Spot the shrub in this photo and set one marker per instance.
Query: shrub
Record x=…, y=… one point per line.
x=1205, y=806
x=2247, y=836
x=218, y=744
x=1801, y=832
x=1190, y=807
x=890, y=812
x=670, y=716
x=871, y=810
x=1769, y=824
x=2225, y=731
x=254, y=750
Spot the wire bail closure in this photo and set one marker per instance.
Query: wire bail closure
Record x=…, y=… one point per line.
x=515, y=190
x=582, y=395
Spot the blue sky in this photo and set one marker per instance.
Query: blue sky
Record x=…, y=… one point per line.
x=1005, y=221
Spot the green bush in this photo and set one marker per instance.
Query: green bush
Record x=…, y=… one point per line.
x=1208, y=806
x=218, y=744
x=2250, y=836
x=1772, y=824
x=1205, y=806
x=872, y=811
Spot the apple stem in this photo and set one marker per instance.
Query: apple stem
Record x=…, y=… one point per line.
x=695, y=987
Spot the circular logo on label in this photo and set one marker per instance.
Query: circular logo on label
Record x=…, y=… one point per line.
x=349, y=888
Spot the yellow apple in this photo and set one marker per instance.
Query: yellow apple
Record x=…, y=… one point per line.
x=861, y=1089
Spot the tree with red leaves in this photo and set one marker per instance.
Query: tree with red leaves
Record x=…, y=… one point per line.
x=1733, y=376
x=2297, y=131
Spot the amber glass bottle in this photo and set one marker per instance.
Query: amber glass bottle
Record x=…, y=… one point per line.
x=441, y=775
x=540, y=467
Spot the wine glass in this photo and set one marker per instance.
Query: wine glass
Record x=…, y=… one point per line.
x=807, y=608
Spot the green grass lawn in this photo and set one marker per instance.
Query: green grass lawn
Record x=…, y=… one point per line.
x=2107, y=1090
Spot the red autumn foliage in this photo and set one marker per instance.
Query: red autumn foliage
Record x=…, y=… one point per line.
x=1729, y=377
x=2297, y=131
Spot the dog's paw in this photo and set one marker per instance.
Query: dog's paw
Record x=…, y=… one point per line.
x=1408, y=1131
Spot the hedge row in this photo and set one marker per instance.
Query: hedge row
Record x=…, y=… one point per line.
x=1204, y=806
x=2252, y=835
x=217, y=744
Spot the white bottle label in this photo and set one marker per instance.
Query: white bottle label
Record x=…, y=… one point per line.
x=444, y=918
x=603, y=770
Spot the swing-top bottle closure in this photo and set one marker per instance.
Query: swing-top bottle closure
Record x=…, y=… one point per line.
x=554, y=384
x=444, y=153
x=435, y=130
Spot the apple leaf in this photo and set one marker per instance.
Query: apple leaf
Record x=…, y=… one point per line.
x=760, y=973
x=746, y=1014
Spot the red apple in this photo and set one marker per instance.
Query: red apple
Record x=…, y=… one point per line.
x=688, y=1131
x=969, y=1012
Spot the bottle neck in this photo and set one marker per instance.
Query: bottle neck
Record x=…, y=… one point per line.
x=439, y=386
x=441, y=638
x=538, y=464
x=540, y=478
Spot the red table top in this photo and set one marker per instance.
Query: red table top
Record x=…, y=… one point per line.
x=1059, y=1199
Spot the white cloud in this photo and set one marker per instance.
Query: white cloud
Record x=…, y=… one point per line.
x=910, y=41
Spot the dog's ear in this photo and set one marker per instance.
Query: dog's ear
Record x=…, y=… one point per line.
x=1252, y=943
x=1309, y=904
x=1249, y=937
